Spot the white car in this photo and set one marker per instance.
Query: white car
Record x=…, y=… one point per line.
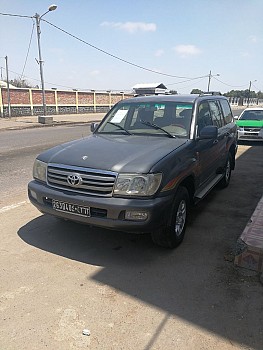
x=250, y=124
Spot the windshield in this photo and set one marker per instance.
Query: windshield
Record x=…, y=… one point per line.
x=168, y=119
x=252, y=115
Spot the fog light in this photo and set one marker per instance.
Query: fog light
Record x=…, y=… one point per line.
x=136, y=215
x=33, y=194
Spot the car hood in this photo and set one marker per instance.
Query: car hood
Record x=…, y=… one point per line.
x=113, y=153
x=253, y=123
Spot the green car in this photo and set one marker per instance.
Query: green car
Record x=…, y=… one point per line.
x=250, y=125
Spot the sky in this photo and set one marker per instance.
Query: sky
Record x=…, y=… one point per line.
x=114, y=45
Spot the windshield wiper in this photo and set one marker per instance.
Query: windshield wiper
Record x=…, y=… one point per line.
x=157, y=127
x=120, y=127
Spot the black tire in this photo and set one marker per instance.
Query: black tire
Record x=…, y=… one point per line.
x=172, y=234
x=224, y=182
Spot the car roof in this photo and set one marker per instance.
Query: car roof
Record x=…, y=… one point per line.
x=253, y=109
x=191, y=98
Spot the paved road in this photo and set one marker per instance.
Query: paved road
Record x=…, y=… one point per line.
x=58, y=278
x=18, y=150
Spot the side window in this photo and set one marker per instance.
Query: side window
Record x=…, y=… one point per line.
x=203, y=116
x=226, y=111
x=216, y=114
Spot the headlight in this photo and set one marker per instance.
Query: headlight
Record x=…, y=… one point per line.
x=40, y=170
x=137, y=184
x=240, y=128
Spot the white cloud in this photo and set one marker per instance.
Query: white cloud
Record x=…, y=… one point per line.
x=253, y=39
x=159, y=53
x=245, y=54
x=94, y=73
x=131, y=27
x=187, y=50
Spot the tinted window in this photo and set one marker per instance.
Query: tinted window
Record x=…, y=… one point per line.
x=203, y=116
x=226, y=111
x=216, y=114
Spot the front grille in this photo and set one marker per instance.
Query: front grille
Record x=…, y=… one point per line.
x=251, y=129
x=93, y=182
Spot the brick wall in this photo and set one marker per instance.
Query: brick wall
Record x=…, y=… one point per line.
x=20, y=98
x=29, y=101
x=66, y=97
x=86, y=98
x=37, y=97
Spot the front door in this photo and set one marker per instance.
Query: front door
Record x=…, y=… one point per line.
x=208, y=151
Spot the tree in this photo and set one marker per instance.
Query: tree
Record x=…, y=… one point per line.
x=21, y=83
x=243, y=94
x=196, y=91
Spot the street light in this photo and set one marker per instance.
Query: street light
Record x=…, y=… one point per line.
x=38, y=19
x=209, y=79
x=249, y=88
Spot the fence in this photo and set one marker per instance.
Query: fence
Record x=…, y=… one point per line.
x=238, y=101
x=27, y=102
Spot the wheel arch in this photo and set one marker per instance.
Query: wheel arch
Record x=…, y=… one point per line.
x=189, y=184
x=232, y=151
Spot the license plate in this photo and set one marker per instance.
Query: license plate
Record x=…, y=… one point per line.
x=70, y=208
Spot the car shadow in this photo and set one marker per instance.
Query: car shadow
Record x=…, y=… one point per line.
x=193, y=282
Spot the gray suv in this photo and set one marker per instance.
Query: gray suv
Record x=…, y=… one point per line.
x=145, y=163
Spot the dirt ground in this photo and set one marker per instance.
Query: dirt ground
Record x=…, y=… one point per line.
x=59, y=278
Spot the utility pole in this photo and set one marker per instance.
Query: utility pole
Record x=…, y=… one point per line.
x=249, y=89
x=38, y=19
x=40, y=61
x=8, y=90
x=209, y=80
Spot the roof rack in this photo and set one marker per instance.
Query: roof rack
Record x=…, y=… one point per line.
x=210, y=93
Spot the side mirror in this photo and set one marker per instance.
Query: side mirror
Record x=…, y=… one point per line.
x=94, y=126
x=208, y=132
x=236, y=117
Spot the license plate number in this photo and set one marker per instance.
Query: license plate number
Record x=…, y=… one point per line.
x=70, y=208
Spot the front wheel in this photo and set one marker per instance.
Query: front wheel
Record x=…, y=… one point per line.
x=172, y=233
x=224, y=182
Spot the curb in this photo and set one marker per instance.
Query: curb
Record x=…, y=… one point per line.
x=249, y=249
x=21, y=127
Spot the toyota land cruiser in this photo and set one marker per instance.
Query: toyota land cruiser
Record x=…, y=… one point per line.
x=145, y=163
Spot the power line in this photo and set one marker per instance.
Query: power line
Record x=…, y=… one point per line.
x=116, y=57
x=12, y=15
x=105, y=52
x=63, y=86
x=185, y=81
x=229, y=84
x=256, y=87
x=111, y=55
x=30, y=41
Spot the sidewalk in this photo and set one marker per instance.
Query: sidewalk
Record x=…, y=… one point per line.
x=249, y=252
x=17, y=123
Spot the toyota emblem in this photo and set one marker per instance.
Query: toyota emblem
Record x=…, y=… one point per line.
x=74, y=180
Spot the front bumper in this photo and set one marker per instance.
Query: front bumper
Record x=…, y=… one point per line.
x=250, y=135
x=106, y=212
